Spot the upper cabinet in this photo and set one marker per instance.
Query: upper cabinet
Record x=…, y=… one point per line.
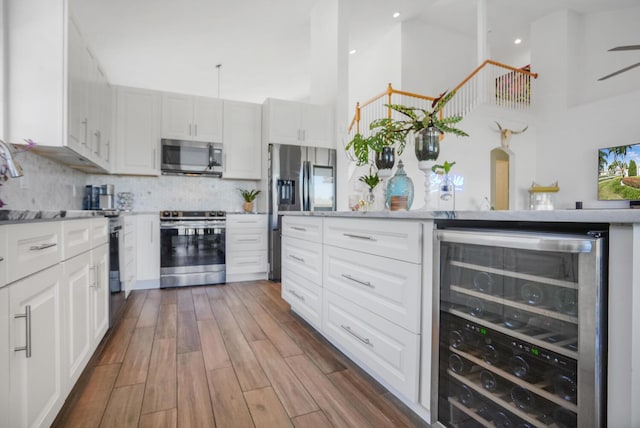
x=137, y=149
x=186, y=117
x=242, y=140
x=290, y=122
x=52, y=83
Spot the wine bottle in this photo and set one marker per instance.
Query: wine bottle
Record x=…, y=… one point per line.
x=502, y=419
x=533, y=294
x=463, y=339
x=490, y=381
x=491, y=354
x=481, y=308
x=523, y=369
x=459, y=365
x=565, y=418
x=523, y=398
x=483, y=282
x=514, y=318
x=565, y=300
x=466, y=396
x=564, y=385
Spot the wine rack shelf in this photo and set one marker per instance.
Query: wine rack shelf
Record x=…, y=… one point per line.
x=535, y=388
x=522, y=306
x=538, y=340
x=517, y=275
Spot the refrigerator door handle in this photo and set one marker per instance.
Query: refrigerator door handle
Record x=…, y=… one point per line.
x=306, y=185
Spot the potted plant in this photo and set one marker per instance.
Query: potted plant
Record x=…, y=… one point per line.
x=428, y=125
x=385, y=134
x=446, y=184
x=249, y=196
x=371, y=180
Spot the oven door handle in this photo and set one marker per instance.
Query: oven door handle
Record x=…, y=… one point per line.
x=192, y=226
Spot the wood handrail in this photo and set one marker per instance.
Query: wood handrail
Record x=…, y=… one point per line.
x=390, y=90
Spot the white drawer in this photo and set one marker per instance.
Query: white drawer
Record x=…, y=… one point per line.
x=304, y=297
x=99, y=231
x=307, y=228
x=389, y=351
x=387, y=287
x=249, y=239
x=76, y=237
x=302, y=257
x=3, y=255
x=246, y=262
x=243, y=221
x=395, y=239
x=32, y=247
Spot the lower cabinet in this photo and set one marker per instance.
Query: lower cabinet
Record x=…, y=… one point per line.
x=304, y=296
x=147, y=244
x=38, y=388
x=4, y=357
x=128, y=254
x=389, y=350
x=246, y=247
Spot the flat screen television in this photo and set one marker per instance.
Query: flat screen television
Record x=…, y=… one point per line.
x=619, y=173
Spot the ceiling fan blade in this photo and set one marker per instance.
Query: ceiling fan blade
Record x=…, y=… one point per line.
x=625, y=48
x=622, y=70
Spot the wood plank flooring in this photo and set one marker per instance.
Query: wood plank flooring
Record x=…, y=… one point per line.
x=229, y=355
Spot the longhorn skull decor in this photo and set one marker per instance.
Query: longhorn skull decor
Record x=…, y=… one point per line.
x=505, y=135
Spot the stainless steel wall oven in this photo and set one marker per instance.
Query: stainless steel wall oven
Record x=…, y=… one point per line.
x=522, y=328
x=192, y=248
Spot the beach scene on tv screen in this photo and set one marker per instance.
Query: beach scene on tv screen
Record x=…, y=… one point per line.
x=618, y=173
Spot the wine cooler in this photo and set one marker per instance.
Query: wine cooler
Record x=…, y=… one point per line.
x=521, y=328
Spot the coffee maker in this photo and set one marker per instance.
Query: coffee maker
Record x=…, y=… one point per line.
x=98, y=197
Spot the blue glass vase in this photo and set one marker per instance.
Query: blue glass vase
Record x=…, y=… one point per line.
x=400, y=190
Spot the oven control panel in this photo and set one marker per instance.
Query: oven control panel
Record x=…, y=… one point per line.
x=191, y=214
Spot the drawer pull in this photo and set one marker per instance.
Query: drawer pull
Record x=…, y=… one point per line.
x=248, y=240
x=92, y=269
x=42, y=247
x=350, y=278
x=247, y=263
x=351, y=235
x=297, y=295
x=296, y=258
x=27, y=318
x=301, y=229
x=364, y=340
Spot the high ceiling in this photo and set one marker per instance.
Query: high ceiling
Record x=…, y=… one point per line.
x=263, y=46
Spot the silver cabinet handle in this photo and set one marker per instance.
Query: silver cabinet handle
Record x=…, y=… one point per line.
x=196, y=133
x=154, y=158
x=301, y=229
x=296, y=258
x=350, y=278
x=42, y=247
x=27, y=317
x=248, y=240
x=297, y=295
x=364, y=340
x=189, y=129
x=351, y=235
x=92, y=269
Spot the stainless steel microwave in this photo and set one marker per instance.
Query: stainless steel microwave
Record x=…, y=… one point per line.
x=191, y=157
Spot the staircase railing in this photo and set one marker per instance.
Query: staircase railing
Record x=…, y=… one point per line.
x=491, y=83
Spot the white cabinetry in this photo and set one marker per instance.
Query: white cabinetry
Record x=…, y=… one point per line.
x=289, y=122
x=128, y=253
x=242, y=140
x=246, y=247
x=302, y=267
x=147, y=251
x=137, y=132
x=53, y=314
x=48, y=89
x=186, y=117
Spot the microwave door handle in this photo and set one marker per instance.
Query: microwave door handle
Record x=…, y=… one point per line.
x=210, y=156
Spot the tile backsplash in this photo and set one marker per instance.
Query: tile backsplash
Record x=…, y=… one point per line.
x=48, y=185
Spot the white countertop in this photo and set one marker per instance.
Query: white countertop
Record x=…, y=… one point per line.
x=578, y=216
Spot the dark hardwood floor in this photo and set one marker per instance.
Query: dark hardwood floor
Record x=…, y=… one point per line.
x=229, y=355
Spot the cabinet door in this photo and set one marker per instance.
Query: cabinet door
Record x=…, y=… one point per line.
x=137, y=132
x=177, y=115
x=317, y=126
x=4, y=357
x=78, y=96
x=99, y=297
x=37, y=387
x=283, y=122
x=147, y=248
x=242, y=140
x=79, y=279
x=207, y=119
x=106, y=129
x=3, y=256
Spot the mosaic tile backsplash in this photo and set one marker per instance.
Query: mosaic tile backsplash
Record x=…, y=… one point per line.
x=48, y=185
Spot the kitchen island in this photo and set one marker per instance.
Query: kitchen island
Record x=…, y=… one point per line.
x=335, y=259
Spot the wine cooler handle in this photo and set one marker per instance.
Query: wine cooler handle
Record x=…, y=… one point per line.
x=519, y=241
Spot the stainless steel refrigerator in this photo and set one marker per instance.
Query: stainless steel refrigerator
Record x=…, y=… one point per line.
x=300, y=179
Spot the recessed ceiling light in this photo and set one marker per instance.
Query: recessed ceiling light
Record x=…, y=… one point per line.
x=517, y=41
x=352, y=51
x=396, y=14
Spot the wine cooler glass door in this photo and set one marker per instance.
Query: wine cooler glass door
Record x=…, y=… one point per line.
x=519, y=320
